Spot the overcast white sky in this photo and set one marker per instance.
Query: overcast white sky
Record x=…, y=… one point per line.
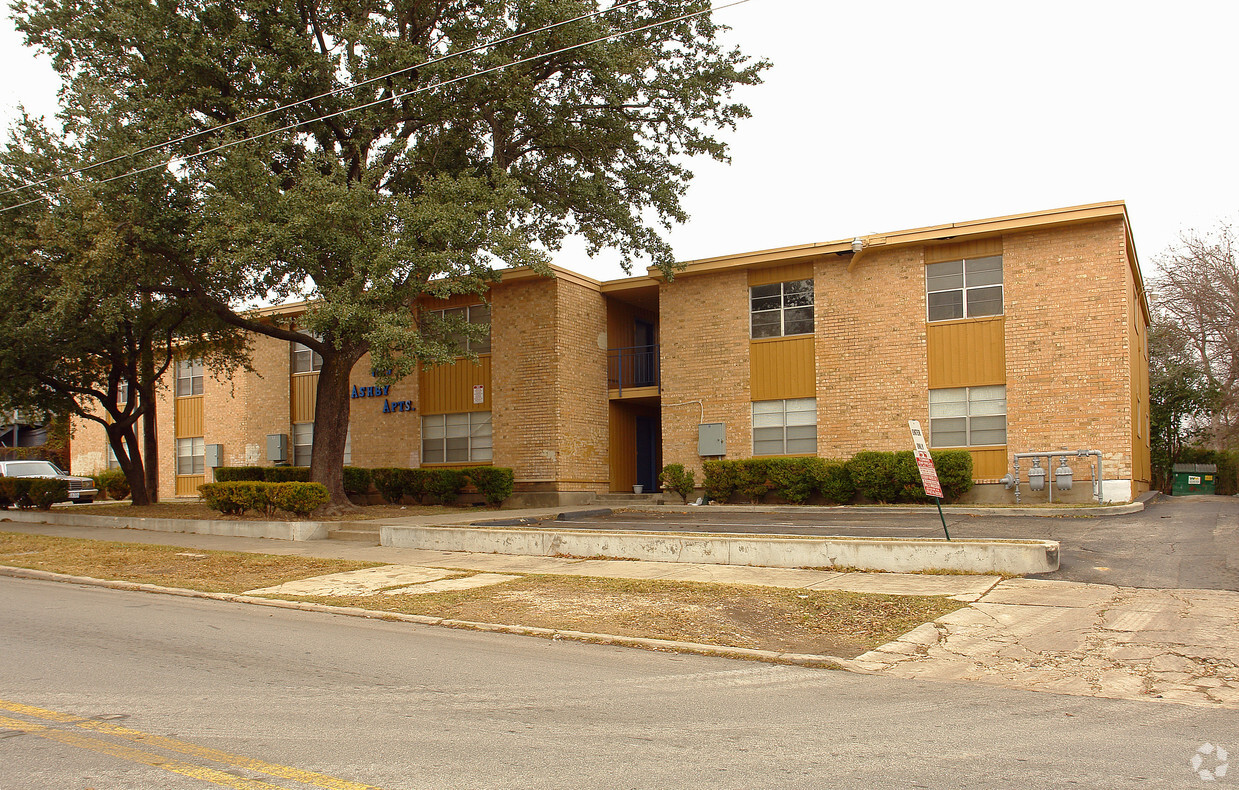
x=881, y=116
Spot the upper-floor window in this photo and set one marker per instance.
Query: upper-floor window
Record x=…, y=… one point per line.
x=122, y=391
x=305, y=360
x=967, y=288
x=473, y=314
x=781, y=309
x=188, y=377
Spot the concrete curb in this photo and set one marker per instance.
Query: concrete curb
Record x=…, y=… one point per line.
x=277, y=530
x=667, y=645
x=960, y=510
x=895, y=555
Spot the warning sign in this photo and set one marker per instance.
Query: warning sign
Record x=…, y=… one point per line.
x=924, y=462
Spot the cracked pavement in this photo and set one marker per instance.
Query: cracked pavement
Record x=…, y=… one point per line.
x=1093, y=640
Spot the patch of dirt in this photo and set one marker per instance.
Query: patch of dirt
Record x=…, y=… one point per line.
x=197, y=510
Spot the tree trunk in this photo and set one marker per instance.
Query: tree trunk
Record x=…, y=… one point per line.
x=331, y=412
x=150, y=441
x=124, y=443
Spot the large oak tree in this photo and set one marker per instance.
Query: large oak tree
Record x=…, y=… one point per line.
x=419, y=183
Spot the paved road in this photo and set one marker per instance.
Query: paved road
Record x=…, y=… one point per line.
x=1177, y=542
x=397, y=706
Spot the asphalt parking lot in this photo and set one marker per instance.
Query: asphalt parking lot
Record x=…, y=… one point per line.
x=1175, y=543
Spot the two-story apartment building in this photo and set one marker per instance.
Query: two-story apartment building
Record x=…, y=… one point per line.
x=1002, y=335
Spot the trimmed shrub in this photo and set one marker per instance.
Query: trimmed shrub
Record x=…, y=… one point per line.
x=674, y=477
x=835, y=483
x=720, y=479
x=356, y=480
x=494, y=483
x=300, y=499
x=390, y=481
x=15, y=491
x=45, y=493
x=234, y=498
x=232, y=474
x=286, y=474
x=954, y=472
x=753, y=479
x=876, y=475
x=445, y=484
x=113, y=483
x=794, y=479
x=415, y=484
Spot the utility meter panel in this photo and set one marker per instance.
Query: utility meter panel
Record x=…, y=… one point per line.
x=711, y=439
x=277, y=448
x=213, y=455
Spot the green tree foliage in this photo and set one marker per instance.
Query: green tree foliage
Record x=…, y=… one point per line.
x=81, y=331
x=442, y=177
x=1182, y=400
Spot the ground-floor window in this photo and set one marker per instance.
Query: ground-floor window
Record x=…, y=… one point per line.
x=454, y=438
x=303, y=443
x=968, y=416
x=190, y=456
x=783, y=427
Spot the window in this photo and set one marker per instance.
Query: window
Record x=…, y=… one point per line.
x=452, y=438
x=781, y=309
x=303, y=443
x=122, y=391
x=190, y=456
x=967, y=288
x=305, y=360
x=473, y=314
x=112, y=462
x=781, y=427
x=968, y=416
x=188, y=377
x=348, y=447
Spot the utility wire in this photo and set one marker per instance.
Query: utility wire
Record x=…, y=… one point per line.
x=327, y=95
x=394, y=97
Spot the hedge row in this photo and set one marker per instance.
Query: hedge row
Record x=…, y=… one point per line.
x=32, y=492
x=236, y=497
x=878, y=476
x=494, y=483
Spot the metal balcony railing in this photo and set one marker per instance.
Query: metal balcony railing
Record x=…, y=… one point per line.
x=635, y=366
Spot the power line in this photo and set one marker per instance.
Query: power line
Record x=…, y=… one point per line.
x=392, y=98
x=328, y=94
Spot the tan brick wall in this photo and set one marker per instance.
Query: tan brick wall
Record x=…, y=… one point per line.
x=523, y=370
x=1068, y=369
x=383, y=439
x=582, y=433
x=705, y=357
x=870, y=349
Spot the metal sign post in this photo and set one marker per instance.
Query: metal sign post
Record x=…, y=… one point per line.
x=929, y=475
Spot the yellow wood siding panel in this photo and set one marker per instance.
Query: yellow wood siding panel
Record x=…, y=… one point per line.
x=782, y=368
x=989, y=464
x=187, y=485
x=304, y=397
x=978, y=248
x=781, y=274
x=968, y=353
x=189, y=420
x=448, y=389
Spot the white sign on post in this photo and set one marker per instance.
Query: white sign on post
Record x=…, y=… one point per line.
x=924, y=462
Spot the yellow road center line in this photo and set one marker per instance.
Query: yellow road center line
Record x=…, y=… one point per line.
x=201, y=772
x=201, y=752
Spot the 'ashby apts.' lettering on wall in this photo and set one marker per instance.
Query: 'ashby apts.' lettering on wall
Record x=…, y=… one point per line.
x=381, y=392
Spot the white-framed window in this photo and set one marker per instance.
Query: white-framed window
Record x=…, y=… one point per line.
x=455, y=438
x=348, y=447
x=472, y=314
x=303, y=443
x=784, y=427
x=967, y=288
x=112, y=462
x=190, y=456
x=968, y=416
x=188, y=377
x=122, y=391
x=305, y=360
x=781, y=309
